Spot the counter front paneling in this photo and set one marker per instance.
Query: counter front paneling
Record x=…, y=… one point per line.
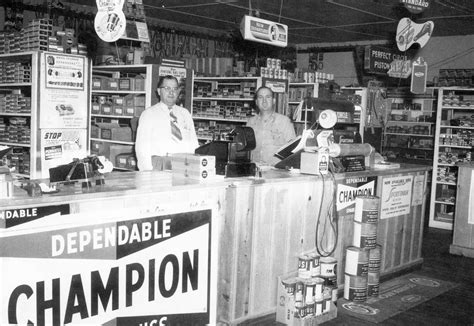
x=253, y=229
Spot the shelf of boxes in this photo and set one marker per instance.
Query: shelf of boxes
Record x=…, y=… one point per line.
x=409, y=130
x=18, y=95
x=221, y=103
x=119, y=95
x=454, y=140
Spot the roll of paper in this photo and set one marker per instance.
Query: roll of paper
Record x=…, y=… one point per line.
x=336, y=150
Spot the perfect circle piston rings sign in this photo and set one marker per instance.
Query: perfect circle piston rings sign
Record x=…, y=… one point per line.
x=110, y=22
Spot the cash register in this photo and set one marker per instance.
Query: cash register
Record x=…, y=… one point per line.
x=232, y=154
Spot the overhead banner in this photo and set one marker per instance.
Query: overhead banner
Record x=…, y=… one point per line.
x=264, y=31
x=378, y=60
x=152, y=270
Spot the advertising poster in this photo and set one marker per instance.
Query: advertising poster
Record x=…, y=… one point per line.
x=150, y=270
x=64, y=102
x=64, y=72
x=396, y=196
x=61, y=146
x=418, y=190
x=349, y=189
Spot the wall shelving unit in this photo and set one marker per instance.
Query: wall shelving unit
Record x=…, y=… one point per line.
x=222, y=103
x=454, y=139
x=409, y=129
x=120, y=93
x=44, y=110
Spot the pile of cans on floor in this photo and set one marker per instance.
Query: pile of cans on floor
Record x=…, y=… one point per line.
x=310, y=295
x=363, y=258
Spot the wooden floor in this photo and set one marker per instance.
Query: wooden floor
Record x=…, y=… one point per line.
x=455, y=307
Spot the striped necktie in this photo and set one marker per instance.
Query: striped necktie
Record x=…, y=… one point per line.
x=175, y=132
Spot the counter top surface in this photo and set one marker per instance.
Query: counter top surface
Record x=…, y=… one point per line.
x=135, y=183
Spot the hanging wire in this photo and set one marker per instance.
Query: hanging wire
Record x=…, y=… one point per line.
x=281, y=7
x=328, y=217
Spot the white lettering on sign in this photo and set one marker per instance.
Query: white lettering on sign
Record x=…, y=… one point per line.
x=18, y=213
x=74, y=242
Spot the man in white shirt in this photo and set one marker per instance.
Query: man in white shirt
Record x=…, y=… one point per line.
x=164, y=128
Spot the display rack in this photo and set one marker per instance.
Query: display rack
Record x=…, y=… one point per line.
x=119, y=95
x=454, y=139
x=409, y=128
x=42, y=111
x=222, y=103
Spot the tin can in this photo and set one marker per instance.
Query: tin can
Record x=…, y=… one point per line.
x=309, y=307
x=315, y=267
x=290, y=285
x=304, y=266
x=300, y=310
x=328, y=266
x=326, y=304
x=318, y=290
x=309, y=290
x=355, y=288
x=299, y=290
x=375, y=258
x=357, y=261
x=318, y=308
x=366, y=209
x=365, y=235
x=373, y=282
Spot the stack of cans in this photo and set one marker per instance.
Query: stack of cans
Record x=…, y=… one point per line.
x=363, y=258
x=315, y=287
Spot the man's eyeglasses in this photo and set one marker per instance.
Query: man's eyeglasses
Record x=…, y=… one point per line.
x=169, y=89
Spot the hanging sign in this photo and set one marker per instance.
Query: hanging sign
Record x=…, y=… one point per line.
x=418, y=76
x=110, y=22
x=264, y=31
x=377, y=59
x=400, y=69
x=416, y=6
x=409, y=33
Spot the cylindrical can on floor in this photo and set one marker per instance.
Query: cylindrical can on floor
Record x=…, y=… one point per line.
x=355, y=288
x=366, y=209
x=326, y=304
x=318, y=291
x=304, y=266
x=315, y=267
x=357, y=261
x=299, y=290
x=300, y=310
x=330, y=287
x=290, y=285
x=328, y=266
x=309, y=290
x=365, y=235
x=375, y=258
x=373, y=282
x=318, y=308
x=309, y=307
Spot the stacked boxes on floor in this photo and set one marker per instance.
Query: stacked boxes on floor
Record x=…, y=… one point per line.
x=309, y=296
x=362, y=259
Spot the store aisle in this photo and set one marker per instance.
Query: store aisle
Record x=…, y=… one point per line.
x=455, y=307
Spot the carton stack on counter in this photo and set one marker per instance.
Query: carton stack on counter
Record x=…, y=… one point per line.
x=193, y=166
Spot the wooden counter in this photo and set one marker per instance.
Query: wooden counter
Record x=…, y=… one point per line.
x=257, y=230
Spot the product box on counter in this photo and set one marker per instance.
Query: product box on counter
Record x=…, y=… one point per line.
x=288, y=314
x=206, y=161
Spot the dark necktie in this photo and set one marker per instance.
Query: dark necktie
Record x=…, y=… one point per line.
x=175, y=132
